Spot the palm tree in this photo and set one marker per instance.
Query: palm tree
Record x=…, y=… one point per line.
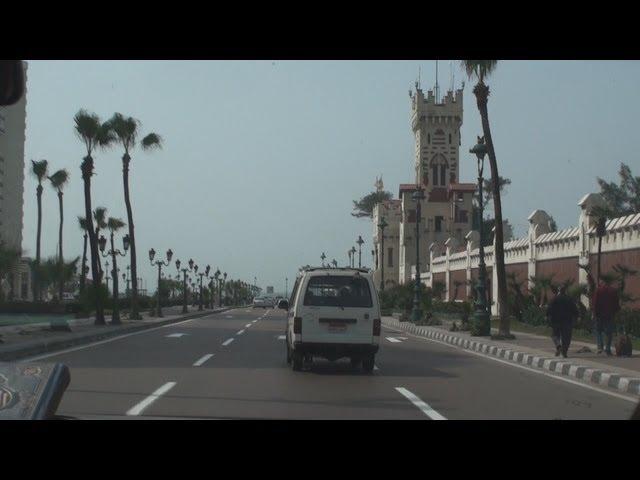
x=82, y=222
x=100, y=216
x=114, y=224
x=58, y=181
x=93, y=134
x=480, y=69
x=39, y=170
x=126, y=130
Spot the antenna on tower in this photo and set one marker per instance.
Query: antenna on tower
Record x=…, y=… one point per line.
x=437, y=92
x=419, y=76
x=452, y=75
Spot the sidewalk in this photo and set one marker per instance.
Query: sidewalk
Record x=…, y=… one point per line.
x=619, y=373
x=19, y=341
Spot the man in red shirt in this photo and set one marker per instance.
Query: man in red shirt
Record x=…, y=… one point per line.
x=606, y=303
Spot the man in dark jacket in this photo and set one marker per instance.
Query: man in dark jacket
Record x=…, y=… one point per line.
x=606, y=303
x=561, y=313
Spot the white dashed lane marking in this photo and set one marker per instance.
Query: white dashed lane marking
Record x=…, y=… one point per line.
x=176, y=335
x=426, y=409
x=282, y=337
x=203, y=359
x=247, y=325
x=227, y=342
x=240, y=332
x=140, y=407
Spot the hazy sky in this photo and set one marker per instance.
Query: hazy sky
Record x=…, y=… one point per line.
x=262, y=159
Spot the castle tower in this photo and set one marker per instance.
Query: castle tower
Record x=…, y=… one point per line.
x=436, y=127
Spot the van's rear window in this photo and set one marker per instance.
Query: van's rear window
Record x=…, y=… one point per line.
x=338, y=291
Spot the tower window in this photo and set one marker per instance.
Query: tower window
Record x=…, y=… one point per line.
x=443, y=173
x=390, y=257
x=434, y=168
x=439, y=223
x=429, y=138
x=449, y=139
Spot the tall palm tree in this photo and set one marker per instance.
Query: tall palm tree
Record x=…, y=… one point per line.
x=93, y=134
x=481, y=69
x=58, y=181
x=126, y=130
x=39, y=170
x=114, y=224
x=100, y=216
x=82, y=222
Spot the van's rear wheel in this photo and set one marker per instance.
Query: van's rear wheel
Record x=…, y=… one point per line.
x=368, y=362
x=297, y=358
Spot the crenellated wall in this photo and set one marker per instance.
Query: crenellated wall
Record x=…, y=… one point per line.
x=542, y=253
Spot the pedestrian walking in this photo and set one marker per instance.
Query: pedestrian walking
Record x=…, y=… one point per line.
x=606, y=303
x=561, y=312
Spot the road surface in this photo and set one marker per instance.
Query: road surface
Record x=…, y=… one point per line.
x=232, y=365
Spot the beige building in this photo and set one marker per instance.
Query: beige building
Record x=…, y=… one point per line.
x=12, y=168
x=446, y=209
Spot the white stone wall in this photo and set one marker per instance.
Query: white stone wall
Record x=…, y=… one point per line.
x=578, y=242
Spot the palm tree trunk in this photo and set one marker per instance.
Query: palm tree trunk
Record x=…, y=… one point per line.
x=599, y=257
x=36, y=276
x=61, y=259
x=84, y=264
x=132, y=239
x=481, y=92
x=115, y=317
x=87, y=171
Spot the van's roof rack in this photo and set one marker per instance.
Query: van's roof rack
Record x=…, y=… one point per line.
x=308, y=268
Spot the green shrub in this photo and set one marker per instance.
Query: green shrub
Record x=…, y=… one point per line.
x=629, y=320
x=534, y=315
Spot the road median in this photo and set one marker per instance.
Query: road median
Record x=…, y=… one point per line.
x=59, y=341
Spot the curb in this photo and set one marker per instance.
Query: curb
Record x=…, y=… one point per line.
x=602, y=378
x=16, y=352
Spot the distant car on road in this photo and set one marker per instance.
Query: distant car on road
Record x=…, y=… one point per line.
x=335, y=313
x=262, y=303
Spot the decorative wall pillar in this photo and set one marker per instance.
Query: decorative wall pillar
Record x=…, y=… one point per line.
x=450, y=246
x=586, y=221
x=539, y=224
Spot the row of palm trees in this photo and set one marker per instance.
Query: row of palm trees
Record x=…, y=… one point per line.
x=95, y=135
x=58, y=181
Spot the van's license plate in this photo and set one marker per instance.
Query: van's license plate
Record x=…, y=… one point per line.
x=337, y=327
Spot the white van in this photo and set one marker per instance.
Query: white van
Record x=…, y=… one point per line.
x=333, y=313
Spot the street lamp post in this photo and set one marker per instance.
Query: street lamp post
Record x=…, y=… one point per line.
x=184, y=271
x=416, y=313
x=159, y=264
x=102, y=243
x=353, y=257
x=382, y=225
x=360, y=241
x=481, y=318
x=201, y=275
x=106, y=264
x=224, y=281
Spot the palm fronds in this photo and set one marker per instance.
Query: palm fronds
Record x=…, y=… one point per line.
x=39, y=169
x=87, y=128
x=59, y=179
x=115, y=224
x=479, y=69
x=82, y=223
x=100, y=216
x=151, y=141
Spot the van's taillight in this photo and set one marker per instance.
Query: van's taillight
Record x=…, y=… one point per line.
x=297, y=325
x=376, y=327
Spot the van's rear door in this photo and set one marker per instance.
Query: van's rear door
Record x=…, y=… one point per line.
x=337, y=308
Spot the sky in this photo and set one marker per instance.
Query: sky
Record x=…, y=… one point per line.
x=262, y=159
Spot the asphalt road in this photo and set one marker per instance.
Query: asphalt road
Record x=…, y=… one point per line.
x=232, y=366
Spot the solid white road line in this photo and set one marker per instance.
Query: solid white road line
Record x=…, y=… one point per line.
x=176, y=335
x=426, y=409
x=532, y=370
x=139, y=408
x=203, y=359
x=240, y=332
x=227, y=342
